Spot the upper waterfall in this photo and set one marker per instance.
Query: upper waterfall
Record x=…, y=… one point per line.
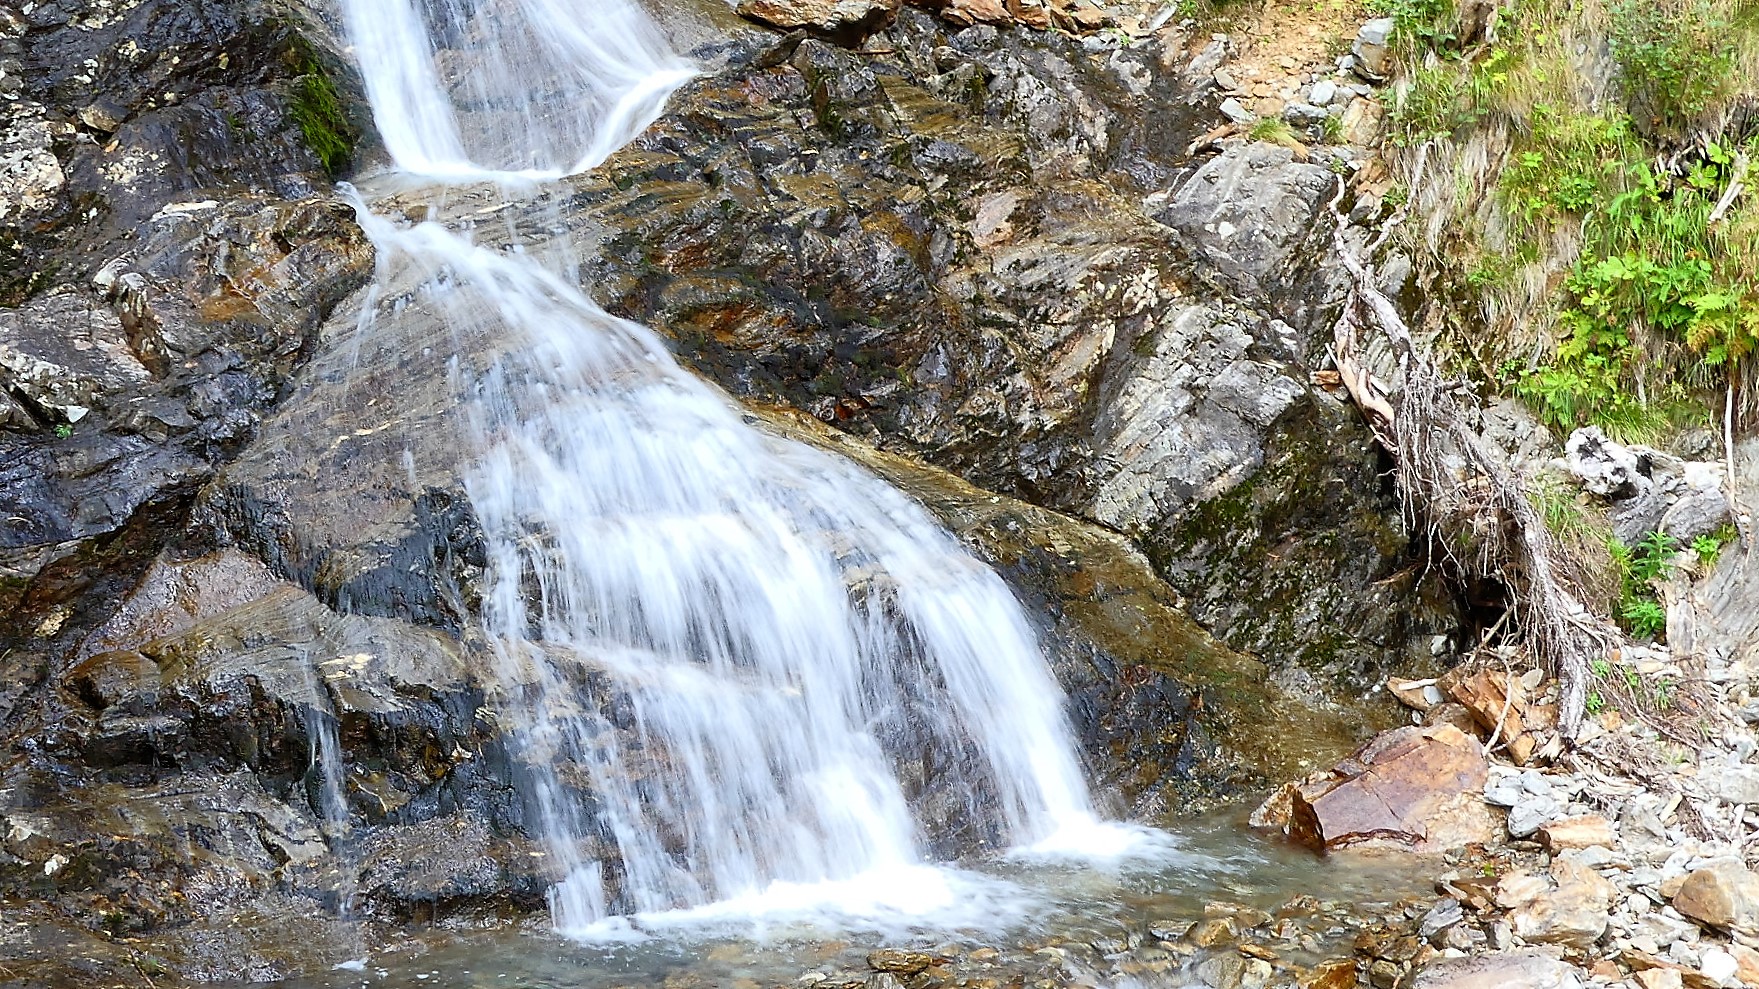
x=471, y=89
x=731, y=662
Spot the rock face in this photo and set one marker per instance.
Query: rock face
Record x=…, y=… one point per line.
x=118, y=109
x=1013, y=271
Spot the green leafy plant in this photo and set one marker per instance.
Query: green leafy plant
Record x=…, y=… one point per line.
x=1708, y=547
x=1675, y=58
x=1594, y=703
x=1639, y=566
x=1419, y=23
x=63, y=431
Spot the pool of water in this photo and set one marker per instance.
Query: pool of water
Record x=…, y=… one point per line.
x=1147, y=920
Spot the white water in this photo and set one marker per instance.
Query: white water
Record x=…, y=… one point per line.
x=731, y=659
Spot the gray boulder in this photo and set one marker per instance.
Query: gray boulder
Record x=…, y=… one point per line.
x=1372, y=49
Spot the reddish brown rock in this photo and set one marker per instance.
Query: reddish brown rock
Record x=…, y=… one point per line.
x=844, y=20
x=1032, y=13
x=1338, y=973
x=967, y=12
x=1573, y=914
x=1413, y=787
x=1748, y=960
x=1500, y=705
x=1724, y=895
x=1659, y=978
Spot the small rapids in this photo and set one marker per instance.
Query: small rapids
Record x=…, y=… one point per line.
x=748, y=681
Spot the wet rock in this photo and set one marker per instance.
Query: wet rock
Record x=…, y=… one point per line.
x=1512, y=970
x=452, y=862
x=65, y=354
x=899, y=961
x=31, y=178
x=1413, y=787
x=121, y=111
x=132, y=396
x=1337, y=973
x=1444, y=915
x=1004, y=334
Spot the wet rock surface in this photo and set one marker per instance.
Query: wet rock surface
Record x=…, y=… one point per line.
x=237, y=684
x=994, y=251
x=114, y=109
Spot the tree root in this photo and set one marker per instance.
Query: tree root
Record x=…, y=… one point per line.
x=1451, y=485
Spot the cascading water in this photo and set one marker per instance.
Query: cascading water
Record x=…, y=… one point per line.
x=736, y=665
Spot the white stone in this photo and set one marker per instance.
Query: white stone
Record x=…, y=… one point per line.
x=1718, y=966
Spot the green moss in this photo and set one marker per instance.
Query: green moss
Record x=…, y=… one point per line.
x=317, y=110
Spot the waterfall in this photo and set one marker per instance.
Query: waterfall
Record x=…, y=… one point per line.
x=733, y=663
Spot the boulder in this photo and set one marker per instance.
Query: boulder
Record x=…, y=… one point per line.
x=1527, y=969
x=1413, y=787
x=1724, y=895
x=844, y=20
x=1573, y=913
x=1372, y=49
x=1601, y=466
x=1698, y=512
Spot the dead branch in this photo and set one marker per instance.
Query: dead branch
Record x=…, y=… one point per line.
x=1452, y=486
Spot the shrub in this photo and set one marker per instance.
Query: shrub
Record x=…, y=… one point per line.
x=1676, y=58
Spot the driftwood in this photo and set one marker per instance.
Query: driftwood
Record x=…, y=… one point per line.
x=1474, y=508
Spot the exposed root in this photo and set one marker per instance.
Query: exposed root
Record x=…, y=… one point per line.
x=1451, y=485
